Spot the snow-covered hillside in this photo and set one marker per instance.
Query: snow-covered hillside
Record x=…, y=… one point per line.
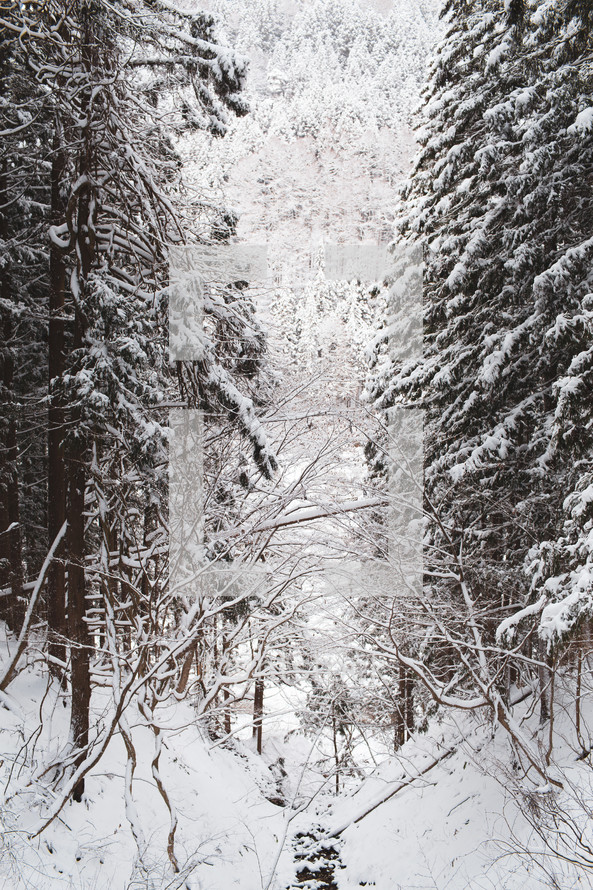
x=331, y=86
x=450, y=811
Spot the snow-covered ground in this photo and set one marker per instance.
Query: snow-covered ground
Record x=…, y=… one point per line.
x=227, y=833
x=445, y=817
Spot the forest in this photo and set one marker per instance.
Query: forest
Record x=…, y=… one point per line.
x=296, y=444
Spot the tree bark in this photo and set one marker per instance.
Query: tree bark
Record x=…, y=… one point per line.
x=78, y=632
x=543, y=675
x=78, y=444
x=11, y=607
x=56, y=479
x=78, y=628
x=258, y=713
x=404, y=713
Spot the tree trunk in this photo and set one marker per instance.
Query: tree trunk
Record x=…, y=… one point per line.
x=258, y=712
x=543, y=675
x=227, y=714
x=56, y=479
x=577, y=698
x=78, y=631
x=409, y=699
x=11, y=606
x=185, y=671
x=336, y=748
x=78, y=628
x=78, y=450
x=404, y=713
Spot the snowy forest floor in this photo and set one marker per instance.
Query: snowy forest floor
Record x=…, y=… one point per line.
x=470, y=820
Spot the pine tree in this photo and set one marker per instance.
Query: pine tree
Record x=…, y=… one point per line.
x=499, y=199
x=91, y=163
x=24, y=211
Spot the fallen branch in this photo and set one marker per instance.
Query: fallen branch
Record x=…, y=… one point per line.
x=385, y=797
x=405, y=784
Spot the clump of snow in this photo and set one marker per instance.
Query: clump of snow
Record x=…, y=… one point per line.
x=506, y=629
x=559, y=618
x=583, y=122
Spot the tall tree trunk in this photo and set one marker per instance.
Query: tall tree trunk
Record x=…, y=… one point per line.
x=78, y=631
x=10, y=530
x=11, y=576
x=78, y=628
x=56, y=481
x=78, y=456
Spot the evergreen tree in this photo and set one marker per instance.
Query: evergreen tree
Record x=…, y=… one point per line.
x=90, y=110
x=499, y=198
x=24, y=209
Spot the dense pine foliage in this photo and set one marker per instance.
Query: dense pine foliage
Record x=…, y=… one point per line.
x=500, y=199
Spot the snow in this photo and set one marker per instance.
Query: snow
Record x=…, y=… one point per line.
x=557, y=618
x=457, y=277
x=446, y=806
x=584, y=498
x=507, y=627
x=224, y=817
x=59, y=236
x=583, y=122
x=456, y=827
x=496, y=55
x=494, y=362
